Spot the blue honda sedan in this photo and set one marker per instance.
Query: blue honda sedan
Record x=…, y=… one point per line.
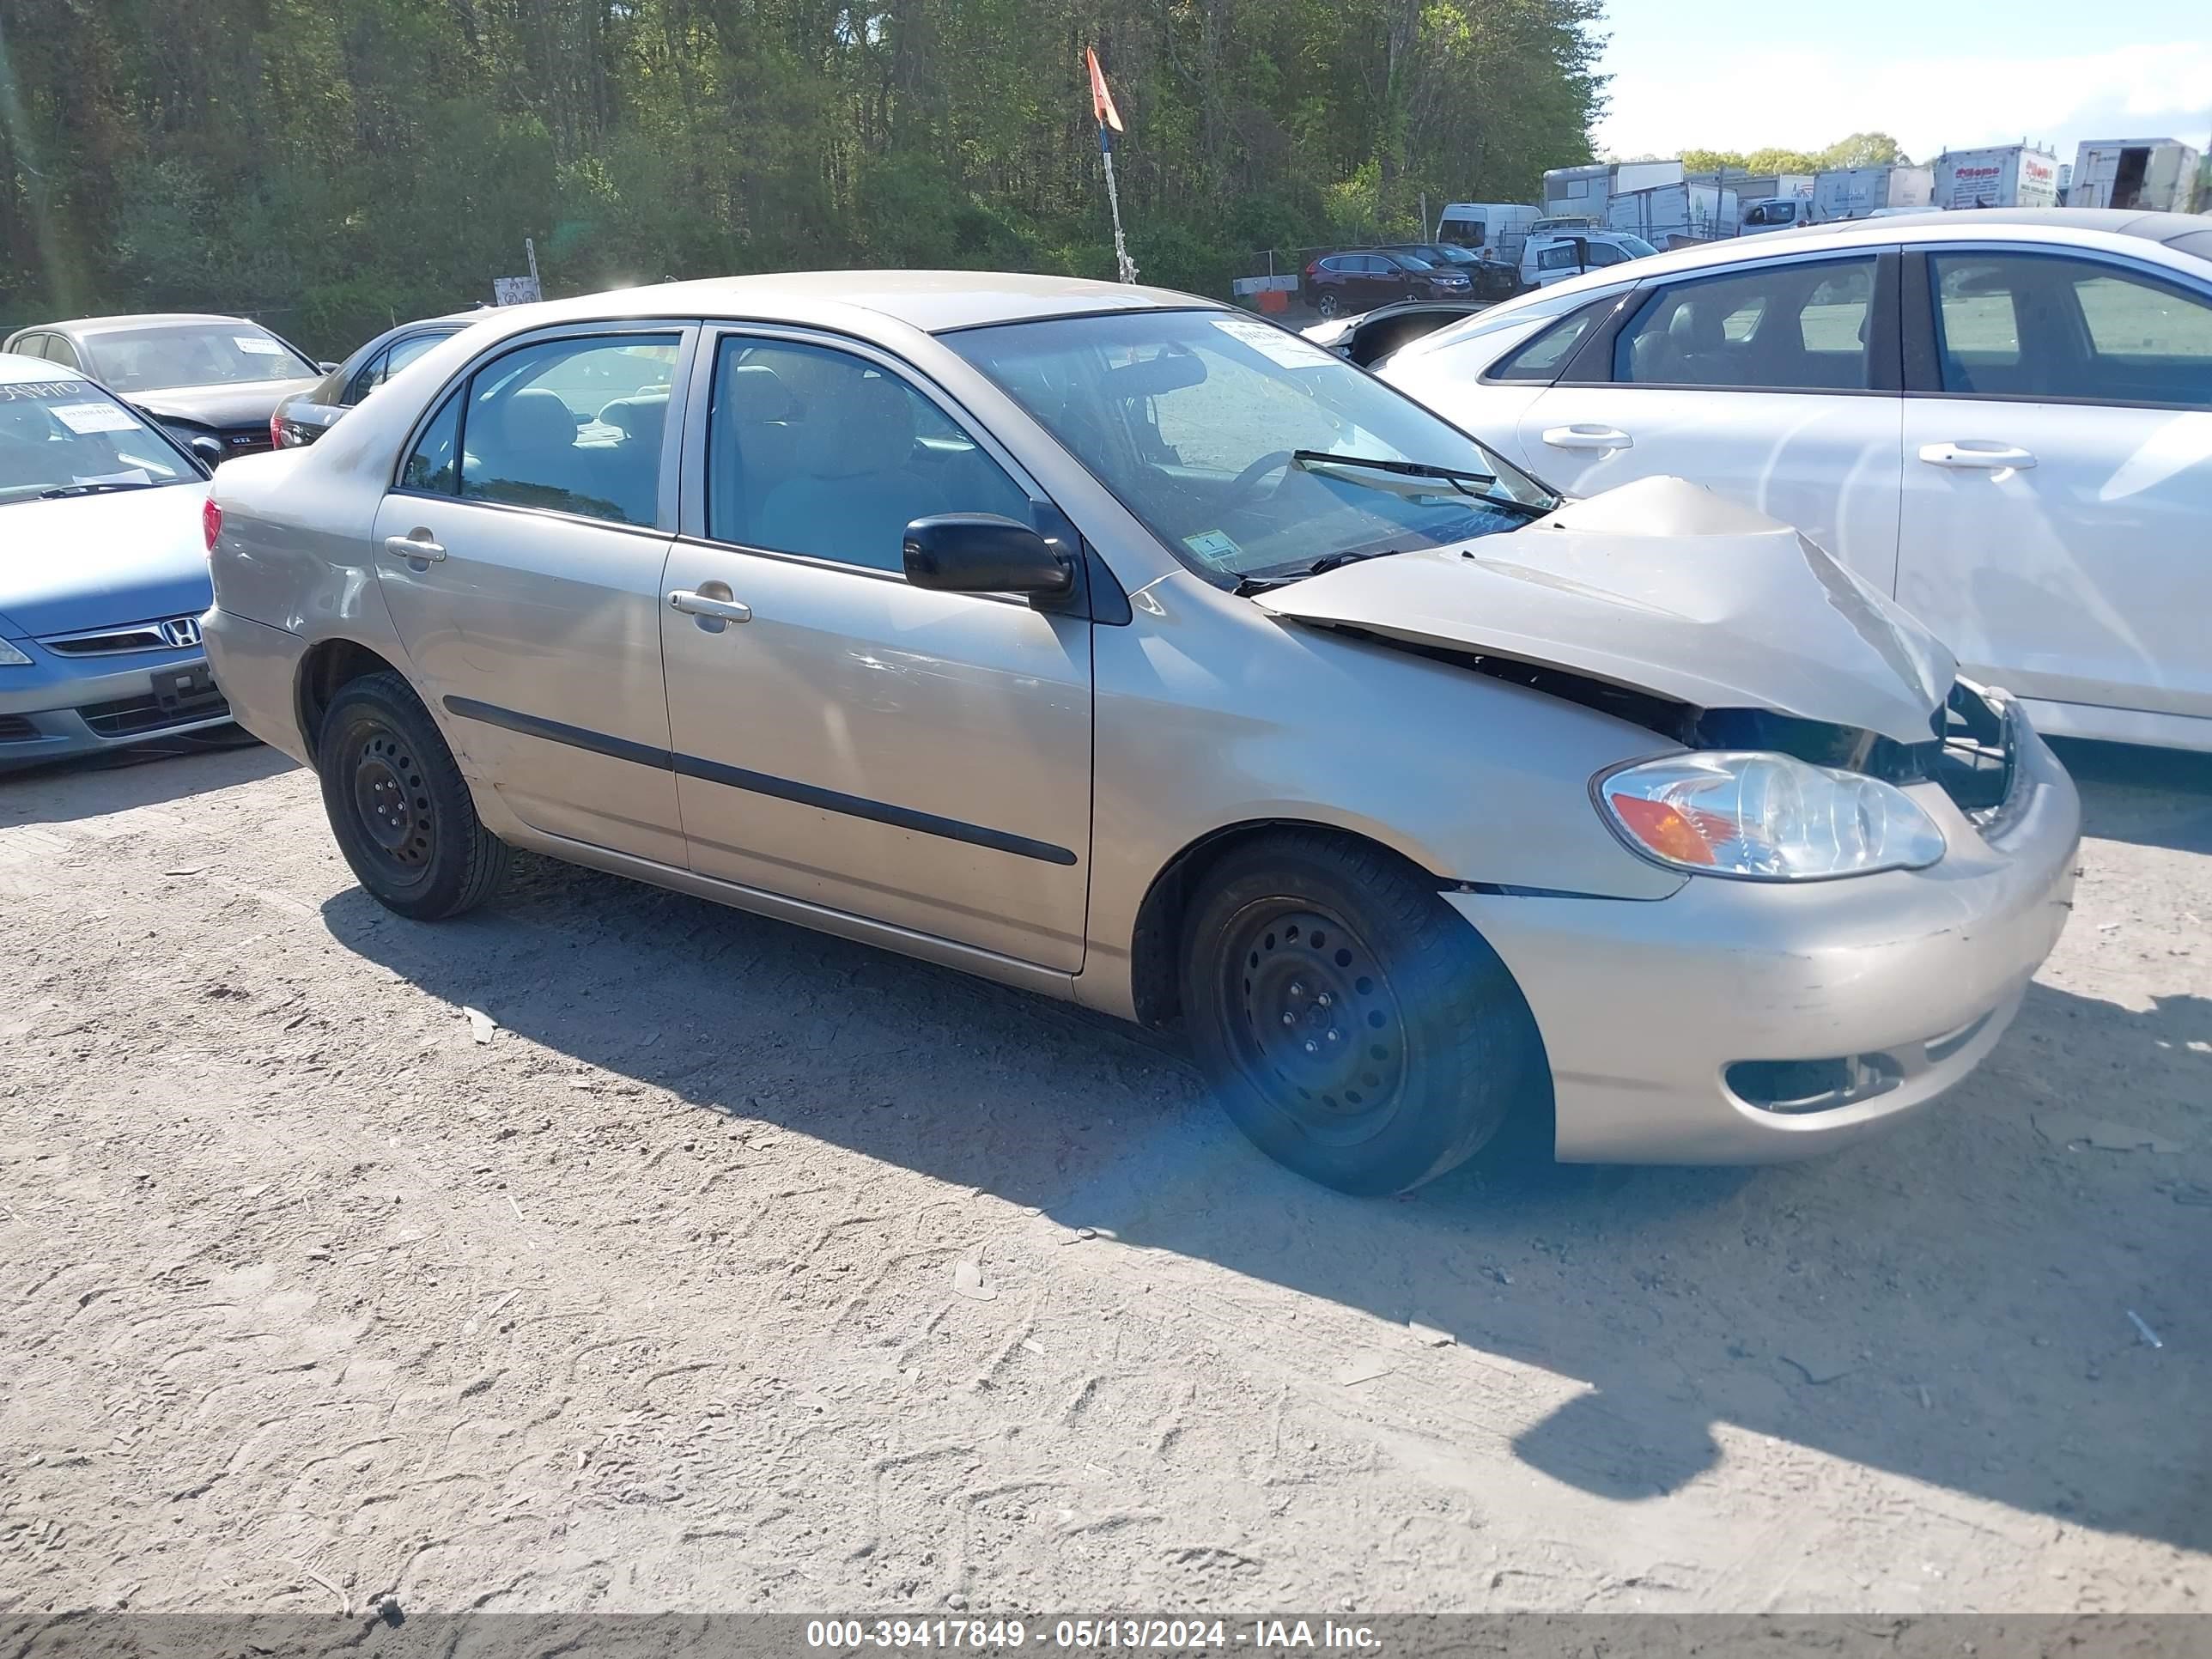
x=103, y=571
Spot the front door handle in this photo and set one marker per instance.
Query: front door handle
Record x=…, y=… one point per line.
x=1981, y=456
x=699, y=605
x=416, y=546
x=1587, y=437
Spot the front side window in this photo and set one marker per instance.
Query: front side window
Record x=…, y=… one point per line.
x=816, y=451
x=2040, y=325
x=571, y=426
x=1241, y=445
x=156, y=358
x=1798, y=326
x=1603, y=253
x=65, y=437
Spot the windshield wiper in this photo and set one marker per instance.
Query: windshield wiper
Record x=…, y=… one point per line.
x=62, y=492
x=1457, y=478
x=1247, y=586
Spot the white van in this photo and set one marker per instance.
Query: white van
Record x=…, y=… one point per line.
x=1555, y=256
x=1776, y=213
x=1496, y=230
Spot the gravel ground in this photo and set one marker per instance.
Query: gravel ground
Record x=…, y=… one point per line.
x=745, y=1268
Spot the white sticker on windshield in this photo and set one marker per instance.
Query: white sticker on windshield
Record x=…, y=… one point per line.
x=1212, y=546
x=136, y=475
x=83, y=418
x=258, y=345
x=1278, y=345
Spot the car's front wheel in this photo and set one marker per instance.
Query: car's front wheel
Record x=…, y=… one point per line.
x=1353, y=1026
x=399, y=805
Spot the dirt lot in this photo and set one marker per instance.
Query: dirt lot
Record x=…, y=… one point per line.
x=746, y=1268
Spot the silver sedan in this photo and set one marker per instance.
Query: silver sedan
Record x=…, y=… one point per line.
x=1133, y=650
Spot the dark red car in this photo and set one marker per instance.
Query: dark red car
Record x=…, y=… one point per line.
x=1360, y=279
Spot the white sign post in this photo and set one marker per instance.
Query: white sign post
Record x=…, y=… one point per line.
x=519, y=290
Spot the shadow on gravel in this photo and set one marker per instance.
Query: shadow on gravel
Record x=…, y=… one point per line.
x=2150, y=797
x=1950, y=1302
x=147, y=775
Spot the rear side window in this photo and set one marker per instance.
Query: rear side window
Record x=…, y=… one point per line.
x=572, y=426
x=1546, y=358
x=2046, y=326
x=388, y=362
x=1801, y=326
x=434, y=466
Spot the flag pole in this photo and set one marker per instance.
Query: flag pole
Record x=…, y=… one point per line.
x=1109, y=123
x=1123, y=263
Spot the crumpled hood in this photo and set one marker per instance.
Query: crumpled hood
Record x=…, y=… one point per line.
x=218, y=405
x=1663, y=586
x=90, y=561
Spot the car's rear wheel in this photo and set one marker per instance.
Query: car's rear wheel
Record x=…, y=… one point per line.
x=1327, y=303
x=399, y=805
x=1353, y=1026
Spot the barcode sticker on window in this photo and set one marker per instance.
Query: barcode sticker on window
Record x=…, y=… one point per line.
x=87, y=418
x=1278, y=345
x=256, y=345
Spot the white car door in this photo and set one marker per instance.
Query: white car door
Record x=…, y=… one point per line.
x=1481, y=375
x=1773, y=382
x=2058, y=482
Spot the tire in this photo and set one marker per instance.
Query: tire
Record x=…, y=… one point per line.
x=398, y=806
x=1327, y=303
x=1302, y=941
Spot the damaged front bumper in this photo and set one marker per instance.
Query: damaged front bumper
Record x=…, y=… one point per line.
x=1740, y=1022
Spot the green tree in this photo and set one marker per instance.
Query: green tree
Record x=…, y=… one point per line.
x=329, y=164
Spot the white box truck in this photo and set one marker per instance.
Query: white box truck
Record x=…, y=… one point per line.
x=1667, y=216
x=1585, y=192
x=1496, y=230
x=1860, y=192
x=2000, y=175
x=2154, y=174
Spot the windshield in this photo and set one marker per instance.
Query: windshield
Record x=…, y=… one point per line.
x=193, y=354
x=1215, y=430
x=69, y=437
x=1638, y=247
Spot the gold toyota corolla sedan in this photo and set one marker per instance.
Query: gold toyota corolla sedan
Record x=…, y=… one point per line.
x=1123, y=647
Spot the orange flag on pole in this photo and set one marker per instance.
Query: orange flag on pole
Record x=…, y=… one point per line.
x=1102, y=101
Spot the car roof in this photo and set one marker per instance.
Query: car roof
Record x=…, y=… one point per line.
x=15, y=369
x=144, y=319
x=2079, y=226
x=935, y=301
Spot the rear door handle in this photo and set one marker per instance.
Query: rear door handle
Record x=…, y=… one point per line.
x=414, y=547
x=1587, y=437
x=1985, y=458
x=698, y=605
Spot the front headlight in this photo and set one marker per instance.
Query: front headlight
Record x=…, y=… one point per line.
x=11, y=657
x=1765, y=818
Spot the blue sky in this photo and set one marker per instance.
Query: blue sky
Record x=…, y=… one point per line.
x=1729, y=75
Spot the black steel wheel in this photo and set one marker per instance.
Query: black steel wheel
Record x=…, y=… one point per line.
x=399, y=805
x=1358, y=1030
x=1316, y=1018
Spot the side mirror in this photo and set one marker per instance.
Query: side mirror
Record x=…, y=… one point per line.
x=328, y=368
x=983, y=553
x=208, y=449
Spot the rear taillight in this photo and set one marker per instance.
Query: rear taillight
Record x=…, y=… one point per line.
x=210, y=521
x=276, y=432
